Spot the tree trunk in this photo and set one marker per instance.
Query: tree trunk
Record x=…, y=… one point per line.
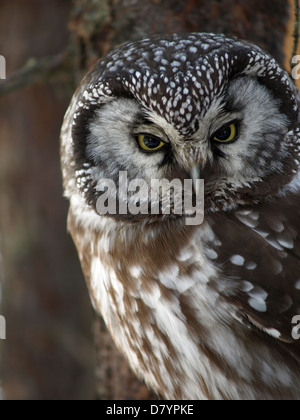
x=100, y=25
x=47, y=354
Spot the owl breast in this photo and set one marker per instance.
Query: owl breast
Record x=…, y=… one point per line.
x=159, y=312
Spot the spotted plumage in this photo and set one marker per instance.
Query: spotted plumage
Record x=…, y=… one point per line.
x=200, y=312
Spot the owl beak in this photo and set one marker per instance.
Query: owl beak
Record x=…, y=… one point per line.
x=195, y=175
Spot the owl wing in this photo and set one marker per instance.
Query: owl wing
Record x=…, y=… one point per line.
x=260, y=255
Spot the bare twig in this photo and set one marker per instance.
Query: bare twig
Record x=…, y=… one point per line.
x=34, y=71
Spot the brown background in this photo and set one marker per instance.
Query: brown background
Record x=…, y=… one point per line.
x=48, y=353
x=49, y=350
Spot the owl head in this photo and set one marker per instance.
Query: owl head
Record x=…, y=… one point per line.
x=174, y=106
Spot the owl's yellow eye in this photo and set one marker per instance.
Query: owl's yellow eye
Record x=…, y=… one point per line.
x=226, y=134
x=150, y=143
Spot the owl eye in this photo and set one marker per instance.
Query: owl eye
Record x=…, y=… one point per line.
x=226, y=134
x=150, y=143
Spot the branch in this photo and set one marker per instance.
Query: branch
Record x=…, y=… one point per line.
x=34, y=71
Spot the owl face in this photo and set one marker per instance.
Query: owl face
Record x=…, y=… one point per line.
x=165, y=107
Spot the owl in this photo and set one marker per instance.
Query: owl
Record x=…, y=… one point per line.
x=206, y=311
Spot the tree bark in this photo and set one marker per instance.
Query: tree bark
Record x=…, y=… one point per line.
x=100, y=25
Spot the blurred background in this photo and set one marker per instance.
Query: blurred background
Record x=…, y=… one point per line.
x=49, y=351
